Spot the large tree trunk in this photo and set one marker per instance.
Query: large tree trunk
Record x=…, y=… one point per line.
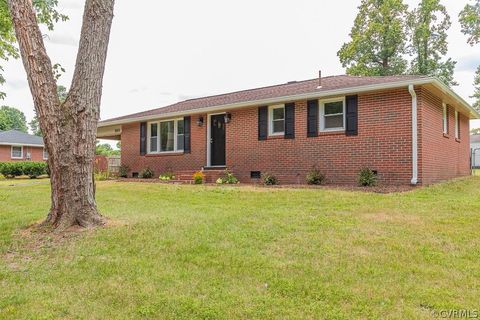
x=69, y=128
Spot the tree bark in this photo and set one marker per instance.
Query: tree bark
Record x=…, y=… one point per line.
x=69, y=128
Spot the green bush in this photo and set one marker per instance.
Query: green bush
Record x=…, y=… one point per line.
x=123, y=171
x=146, y=173
x=19, y=168
x=228, y=178
x=315, y=177
x=367, y=177
x=269, y=179
x=166, y=176
x=198, y=177
x=34, y=169
x=102, y=176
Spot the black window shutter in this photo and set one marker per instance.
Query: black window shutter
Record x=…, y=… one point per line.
x=352, y=115
x=143, y=138
x=448, y=118
x=290, y=120
x=186, y=134
x=312, y=118
x=262, y=123
x=458, y=124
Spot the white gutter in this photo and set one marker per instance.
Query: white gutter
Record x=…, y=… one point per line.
x=414, y=180
x=304, y=96
x=21, y=144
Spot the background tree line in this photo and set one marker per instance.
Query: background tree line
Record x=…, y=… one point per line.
x=389, y=39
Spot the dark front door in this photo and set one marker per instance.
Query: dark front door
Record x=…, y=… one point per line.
x=217, y=141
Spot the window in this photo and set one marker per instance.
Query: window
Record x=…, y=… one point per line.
x=45, y=154
x=276, y=124
x=165, y=136
x=457, y=126
x=445, y=119
x=332, y=113
x=17, y=152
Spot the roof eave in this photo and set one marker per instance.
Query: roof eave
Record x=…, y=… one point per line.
x=21, y=144
x=474, y=114
x=305, y=96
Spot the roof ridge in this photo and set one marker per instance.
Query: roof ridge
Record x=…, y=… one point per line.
x=244, y=90
x=266, y=87
x=332, y=82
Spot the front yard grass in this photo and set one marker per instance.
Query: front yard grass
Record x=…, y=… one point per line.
x=197, y=252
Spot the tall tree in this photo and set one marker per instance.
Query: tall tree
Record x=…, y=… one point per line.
x=470, y=21
x=46, y=14
x=12, y=118
x=34, y=124
x=104, y=149
x=476, y=92
x=428, y=25
x=378, y=39
x=69, y=127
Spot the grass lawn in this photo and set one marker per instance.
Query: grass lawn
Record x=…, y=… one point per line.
x=195, y=252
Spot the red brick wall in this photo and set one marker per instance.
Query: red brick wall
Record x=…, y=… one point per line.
x=36, y=154
x=443, y=156
x=130, y=153
x=383, y=144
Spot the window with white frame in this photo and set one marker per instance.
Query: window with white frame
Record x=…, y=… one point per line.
x=445, y=118
x=457, y=126
x=276, y=123
x=165, y=136
x=45, y=154
x=332, y=114
x=17, y=152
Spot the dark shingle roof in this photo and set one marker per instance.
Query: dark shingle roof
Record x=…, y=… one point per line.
x=18, y=137
x=276, y=91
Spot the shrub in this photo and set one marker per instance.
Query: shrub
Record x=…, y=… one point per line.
x=228, y=178
x=269, y=179
x=102, y=176
x=19, y=168
x=123, y=171
x=34, y=169
x=198, y=177
x=146, y=173
x=314, y=176
x=166, y=176
x=367, y=177
x=11, y=169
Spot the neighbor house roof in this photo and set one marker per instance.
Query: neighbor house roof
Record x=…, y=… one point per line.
x=294, y=90
x=475, y=138
x=15, y=137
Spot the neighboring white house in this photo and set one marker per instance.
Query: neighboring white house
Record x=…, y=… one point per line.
x=475, y=147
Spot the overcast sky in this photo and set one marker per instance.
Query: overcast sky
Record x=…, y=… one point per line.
x=165, y=51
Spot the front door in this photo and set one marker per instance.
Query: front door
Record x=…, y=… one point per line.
x=217, y=141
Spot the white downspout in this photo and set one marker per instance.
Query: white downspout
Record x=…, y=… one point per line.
x=414, y=180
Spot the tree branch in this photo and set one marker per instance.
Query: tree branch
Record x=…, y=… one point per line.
x=36, y=62
x=92, y=54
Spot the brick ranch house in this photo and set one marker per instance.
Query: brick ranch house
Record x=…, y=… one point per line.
x=408, y=129
x=20, y=146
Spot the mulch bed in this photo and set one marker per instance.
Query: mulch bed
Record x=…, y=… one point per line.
x=384, y=189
